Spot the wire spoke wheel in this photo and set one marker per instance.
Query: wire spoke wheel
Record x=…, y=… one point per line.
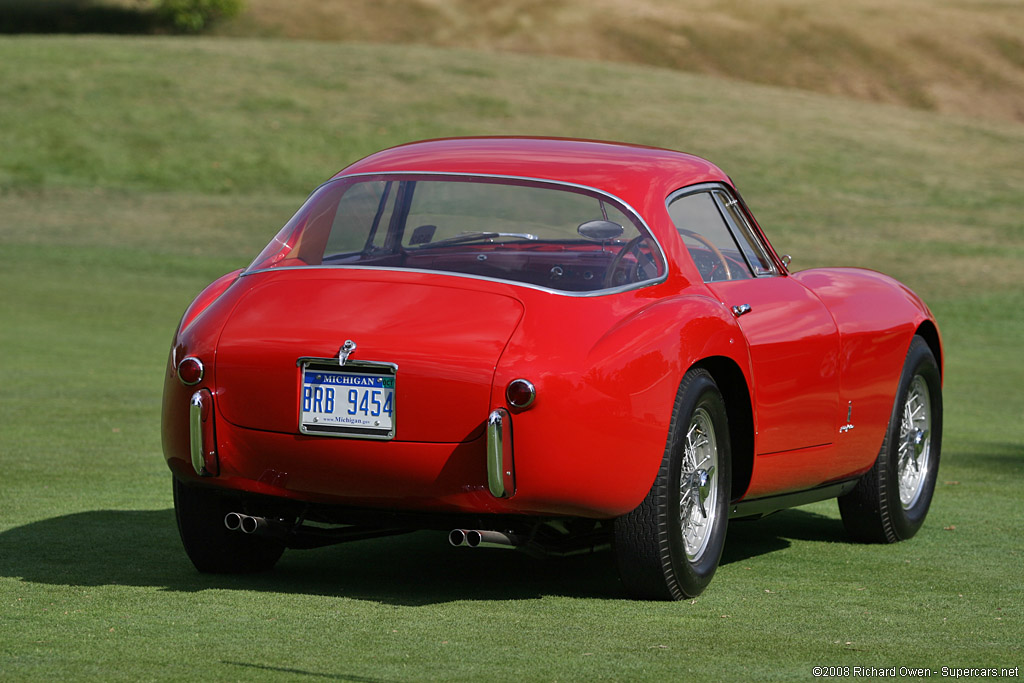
x=668, y=548
x=698, y=489
x=914, y=442
x=890, y=501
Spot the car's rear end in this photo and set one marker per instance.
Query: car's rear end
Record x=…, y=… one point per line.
x=410, y=350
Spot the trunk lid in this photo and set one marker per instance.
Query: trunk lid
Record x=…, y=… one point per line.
x=446, y=337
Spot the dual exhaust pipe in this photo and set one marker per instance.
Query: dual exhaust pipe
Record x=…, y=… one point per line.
x=469, y=538
x=558, y=547
x=477, y=538
x=247, y=524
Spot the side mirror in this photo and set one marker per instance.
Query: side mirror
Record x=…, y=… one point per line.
x=600, y=231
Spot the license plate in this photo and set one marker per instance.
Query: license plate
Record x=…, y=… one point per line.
x=356, y=403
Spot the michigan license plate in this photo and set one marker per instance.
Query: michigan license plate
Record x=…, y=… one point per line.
x=356, y=403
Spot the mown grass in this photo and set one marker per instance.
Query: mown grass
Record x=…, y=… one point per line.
x=135, y=170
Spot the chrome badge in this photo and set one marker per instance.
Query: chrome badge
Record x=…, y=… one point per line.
x=345, y=351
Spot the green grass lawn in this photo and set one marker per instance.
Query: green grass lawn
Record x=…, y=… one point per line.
x=134, y=171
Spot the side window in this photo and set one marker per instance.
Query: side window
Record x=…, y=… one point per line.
x=701, y=224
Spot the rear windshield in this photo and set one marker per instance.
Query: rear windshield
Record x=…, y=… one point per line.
x=546, y=235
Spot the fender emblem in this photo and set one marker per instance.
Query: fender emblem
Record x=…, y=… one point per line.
x=849, y=419
x=345, y=351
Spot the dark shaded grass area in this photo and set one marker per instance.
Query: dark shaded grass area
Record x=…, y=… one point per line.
x=75, y=16
x=141, y=548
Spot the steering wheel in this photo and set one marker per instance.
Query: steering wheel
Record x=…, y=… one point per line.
x=613, y=267
x=714, y=250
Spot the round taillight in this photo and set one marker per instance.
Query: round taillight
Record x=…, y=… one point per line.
x=190, y=371
x=520, y=393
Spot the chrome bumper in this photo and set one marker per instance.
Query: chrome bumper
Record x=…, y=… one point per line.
x=202, y=441
x=501, y=474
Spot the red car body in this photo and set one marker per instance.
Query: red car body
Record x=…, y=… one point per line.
x=808, y=363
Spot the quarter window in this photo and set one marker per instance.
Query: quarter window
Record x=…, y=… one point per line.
x=753, y=249
x=720, y=239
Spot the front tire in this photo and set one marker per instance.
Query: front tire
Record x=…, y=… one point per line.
x=890, y=502
x=209, y=544
x=669, y=547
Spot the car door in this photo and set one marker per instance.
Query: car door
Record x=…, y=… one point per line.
x=793, y=340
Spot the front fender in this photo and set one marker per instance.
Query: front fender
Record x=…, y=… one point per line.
x=877, y=318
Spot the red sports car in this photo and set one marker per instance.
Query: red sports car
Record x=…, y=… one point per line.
x=549, y=345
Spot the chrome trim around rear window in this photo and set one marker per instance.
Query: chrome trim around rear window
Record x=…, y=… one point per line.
x=484, y=278
x=489, y=176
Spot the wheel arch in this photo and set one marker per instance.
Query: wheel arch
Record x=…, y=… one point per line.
x=928, y=331
x=733, y=386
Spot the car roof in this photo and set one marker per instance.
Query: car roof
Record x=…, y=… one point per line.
x=631, y=172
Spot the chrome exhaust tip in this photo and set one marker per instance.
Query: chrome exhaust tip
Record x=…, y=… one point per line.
x=480, y=538
x=492, y=539
x=233, y=521
x=251, y=524
x=247, y=524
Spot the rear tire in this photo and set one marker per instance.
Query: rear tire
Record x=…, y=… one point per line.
x=669, y=547
x=212, y=548
x=890, y=502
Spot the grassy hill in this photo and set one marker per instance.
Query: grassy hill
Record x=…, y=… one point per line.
x=961, y=56
x=134, y=170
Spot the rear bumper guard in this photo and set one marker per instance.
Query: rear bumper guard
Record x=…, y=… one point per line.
x=202, y=439
x=501, y=473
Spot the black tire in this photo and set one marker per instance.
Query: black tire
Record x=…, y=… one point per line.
x=659, y=556
x=891, y=501
x=209, y=544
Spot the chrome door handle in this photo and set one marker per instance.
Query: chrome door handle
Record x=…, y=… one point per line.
x=742, y=309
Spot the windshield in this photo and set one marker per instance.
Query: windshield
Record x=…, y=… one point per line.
x=541, y=234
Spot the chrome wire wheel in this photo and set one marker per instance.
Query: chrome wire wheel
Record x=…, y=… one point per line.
x=669, y=546
x=698, y=487
x=890, y=501
x=914, y=442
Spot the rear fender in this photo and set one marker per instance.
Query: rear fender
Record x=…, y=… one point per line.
x=206, y=297
x=196, y=336
x=593, y=441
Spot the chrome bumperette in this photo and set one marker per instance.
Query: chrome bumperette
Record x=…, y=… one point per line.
x=195, y=431
x=201, y=444
x=501, y=477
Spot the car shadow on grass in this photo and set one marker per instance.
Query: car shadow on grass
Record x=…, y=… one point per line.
x=752, y=538
x=141, y=548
